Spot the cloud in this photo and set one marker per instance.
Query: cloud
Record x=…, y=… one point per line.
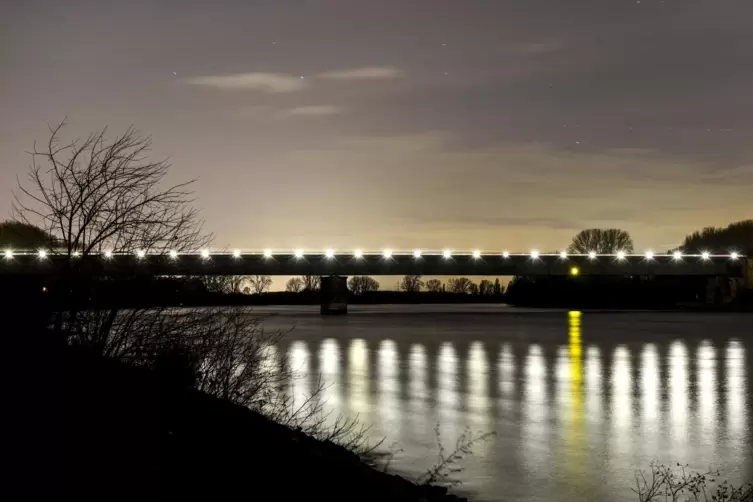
x=365, y=73
x=254, y=81
x=312, y=111
x=510, y=195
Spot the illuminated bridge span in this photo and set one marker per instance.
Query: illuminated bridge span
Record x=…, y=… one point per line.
x=386, y=262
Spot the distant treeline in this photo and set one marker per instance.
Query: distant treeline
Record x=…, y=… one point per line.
x=606, y=292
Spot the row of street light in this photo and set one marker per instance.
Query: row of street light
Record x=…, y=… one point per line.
x=447, y=254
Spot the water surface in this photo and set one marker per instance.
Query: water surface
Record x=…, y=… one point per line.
x=578, y=401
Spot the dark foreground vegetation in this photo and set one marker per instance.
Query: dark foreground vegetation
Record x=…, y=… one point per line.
x=145, y=434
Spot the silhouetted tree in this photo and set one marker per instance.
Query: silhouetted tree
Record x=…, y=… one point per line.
x=461, y=285
x=20, y=235
x=736, y=236
x=311, y=282
x=225, y=284
x=294, y=285
x=411, y=284
x=260, y=283
x=474, y=289
x=602, y=241
x=486, y=287
x=97, y=194
x=434, y=286
x=360, y=284
x=497, y=287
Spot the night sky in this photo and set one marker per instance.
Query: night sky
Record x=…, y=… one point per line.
x=397, y=123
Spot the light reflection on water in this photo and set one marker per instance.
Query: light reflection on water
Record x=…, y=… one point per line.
x=576, y=407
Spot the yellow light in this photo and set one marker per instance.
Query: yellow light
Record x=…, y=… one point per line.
x=447, y=254
x=205, y=253
x=574, y=271
x=42, y=254
x=298, y=253
x=140, y=253
x=267, y=253
x=173, y=254
x=358, y=253
x=237, y=253
x=387, y=253
x=592, y=254
x=477, y=254
x=705, y=255
x=8, y=254
x=574, y=313
x=417, y=253
x=44, y=289
x=330, y=253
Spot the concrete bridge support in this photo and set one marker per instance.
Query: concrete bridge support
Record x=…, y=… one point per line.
x=334, y=295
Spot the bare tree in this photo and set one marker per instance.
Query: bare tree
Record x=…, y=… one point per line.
x=434, y=285
x=260, y=283
x=98, y=194
x=461, y=285
x=294, y=285
x=411, y=283
x=311, y=282
x=225, y=284
x=486, y=287
x=361, y=284
x=602, y=241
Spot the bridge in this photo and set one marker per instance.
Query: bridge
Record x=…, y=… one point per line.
x=334, y=268
x=386, y=262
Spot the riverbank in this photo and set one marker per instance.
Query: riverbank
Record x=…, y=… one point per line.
x=133, y=433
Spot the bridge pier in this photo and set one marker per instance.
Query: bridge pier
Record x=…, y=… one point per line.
x=334, y=295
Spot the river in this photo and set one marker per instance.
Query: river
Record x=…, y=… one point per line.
x=577, y=400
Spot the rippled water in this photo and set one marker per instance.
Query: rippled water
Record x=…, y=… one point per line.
x=578, y=401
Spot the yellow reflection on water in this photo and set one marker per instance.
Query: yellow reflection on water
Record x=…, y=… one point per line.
x=707, y=396
x=574, y=436
x=329, y=362
x=575, y=355
x=358, y=376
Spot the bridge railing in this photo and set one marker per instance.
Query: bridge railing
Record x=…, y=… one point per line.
x=385, y=262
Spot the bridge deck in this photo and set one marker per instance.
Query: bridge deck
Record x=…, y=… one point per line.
x=378, y=264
